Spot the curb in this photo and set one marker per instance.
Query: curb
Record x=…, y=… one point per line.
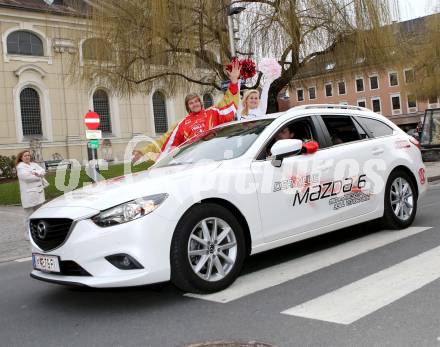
x=433, y=179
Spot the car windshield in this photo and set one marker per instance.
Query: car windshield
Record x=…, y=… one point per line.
x=227, y=142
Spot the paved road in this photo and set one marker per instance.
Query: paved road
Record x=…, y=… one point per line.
x=355, y=287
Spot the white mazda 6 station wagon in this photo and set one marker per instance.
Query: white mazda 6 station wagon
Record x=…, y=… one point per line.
x=239, y=189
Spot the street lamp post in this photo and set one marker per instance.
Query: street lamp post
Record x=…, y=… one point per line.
x=232, y=11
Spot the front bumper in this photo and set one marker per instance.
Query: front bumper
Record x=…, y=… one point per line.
x=146, y=239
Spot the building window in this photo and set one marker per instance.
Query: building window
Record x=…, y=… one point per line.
x=359, y=84
x=312, y=93
x=374, y=82
x=96, y=49
x=328, y=89
x=24, y=43
x=341, y=88
x=102, y=107
x=300, y=94
x=395, y=104
x=393, y=79
x=362, y=103
x=432, y=102
x=160, y=113
x=207, y=100
x=30, y=112
x=375, y=102
x=409, y=75
x=412, y=104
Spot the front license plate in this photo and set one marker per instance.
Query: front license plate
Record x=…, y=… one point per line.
x=46, y=263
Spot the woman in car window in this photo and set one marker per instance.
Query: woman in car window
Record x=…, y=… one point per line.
x=253, y=104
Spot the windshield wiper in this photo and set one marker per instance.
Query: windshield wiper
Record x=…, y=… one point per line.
x=175, y=164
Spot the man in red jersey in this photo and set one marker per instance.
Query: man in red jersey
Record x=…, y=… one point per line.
x=199, y=120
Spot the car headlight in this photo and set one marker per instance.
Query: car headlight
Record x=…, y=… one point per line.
x=129, y=211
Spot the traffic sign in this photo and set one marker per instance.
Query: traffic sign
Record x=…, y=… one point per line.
x=91, y=120
x=93, y=134
x=93, y=144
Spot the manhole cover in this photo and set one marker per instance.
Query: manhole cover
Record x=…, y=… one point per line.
x=230, y=344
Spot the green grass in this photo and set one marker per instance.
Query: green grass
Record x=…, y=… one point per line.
x=10, y=191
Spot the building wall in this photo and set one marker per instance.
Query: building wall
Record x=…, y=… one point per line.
x=63, y=100
x=404, y=117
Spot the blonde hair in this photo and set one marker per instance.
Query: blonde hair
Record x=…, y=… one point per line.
x=246, y=95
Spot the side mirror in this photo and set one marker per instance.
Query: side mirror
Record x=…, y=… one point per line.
x=285, y=148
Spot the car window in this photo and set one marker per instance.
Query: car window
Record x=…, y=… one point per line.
x=362, y=132
x=227, y=142
x=376, y=127
x=341, y=129
x=299, y=129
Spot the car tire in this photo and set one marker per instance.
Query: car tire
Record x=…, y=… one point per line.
x=199, y=258
x=400, y=191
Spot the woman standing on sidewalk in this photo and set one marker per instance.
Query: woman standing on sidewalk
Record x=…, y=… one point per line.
x=32, y=184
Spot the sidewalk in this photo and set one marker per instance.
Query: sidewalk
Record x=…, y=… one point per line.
x=12, y=243
x=14, y=246
x=433, y=171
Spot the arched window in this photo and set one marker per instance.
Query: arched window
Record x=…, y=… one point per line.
x=207, y=100
x=101, y=106
x=160, y=113
x=30, y=112
x=24, y=43
x=96, y=49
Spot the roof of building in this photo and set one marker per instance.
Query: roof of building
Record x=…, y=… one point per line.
x=61, y=7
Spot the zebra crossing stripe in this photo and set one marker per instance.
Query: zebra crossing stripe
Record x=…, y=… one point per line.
x=275, y=275
x=358, y=299
x=22, y=260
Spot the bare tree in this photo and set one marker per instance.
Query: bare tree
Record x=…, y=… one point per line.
x=422, y=52
x=143, y=43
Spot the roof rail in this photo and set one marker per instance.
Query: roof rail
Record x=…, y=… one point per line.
x=335, y=106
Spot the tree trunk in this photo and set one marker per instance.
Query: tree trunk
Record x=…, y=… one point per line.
x=272, y=101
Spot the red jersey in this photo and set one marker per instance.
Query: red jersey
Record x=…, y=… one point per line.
x=195, y=124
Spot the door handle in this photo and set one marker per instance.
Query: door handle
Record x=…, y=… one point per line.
x=377, y=151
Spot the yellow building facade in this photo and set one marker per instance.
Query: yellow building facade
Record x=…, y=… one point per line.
x=40, y=102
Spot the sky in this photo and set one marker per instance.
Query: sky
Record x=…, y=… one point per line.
x=409, y=9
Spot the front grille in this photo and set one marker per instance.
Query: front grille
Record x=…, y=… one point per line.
x=49, y=233
x=70, y=268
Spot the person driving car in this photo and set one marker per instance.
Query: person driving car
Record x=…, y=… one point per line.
x=285, y=133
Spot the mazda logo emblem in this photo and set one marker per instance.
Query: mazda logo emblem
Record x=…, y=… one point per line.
x=41, y=230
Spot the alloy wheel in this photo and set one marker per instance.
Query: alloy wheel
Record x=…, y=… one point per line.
x=402, y=198
x=212, y=249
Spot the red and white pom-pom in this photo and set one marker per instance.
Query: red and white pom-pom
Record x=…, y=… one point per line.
x=247, y=67
x=270, y=68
